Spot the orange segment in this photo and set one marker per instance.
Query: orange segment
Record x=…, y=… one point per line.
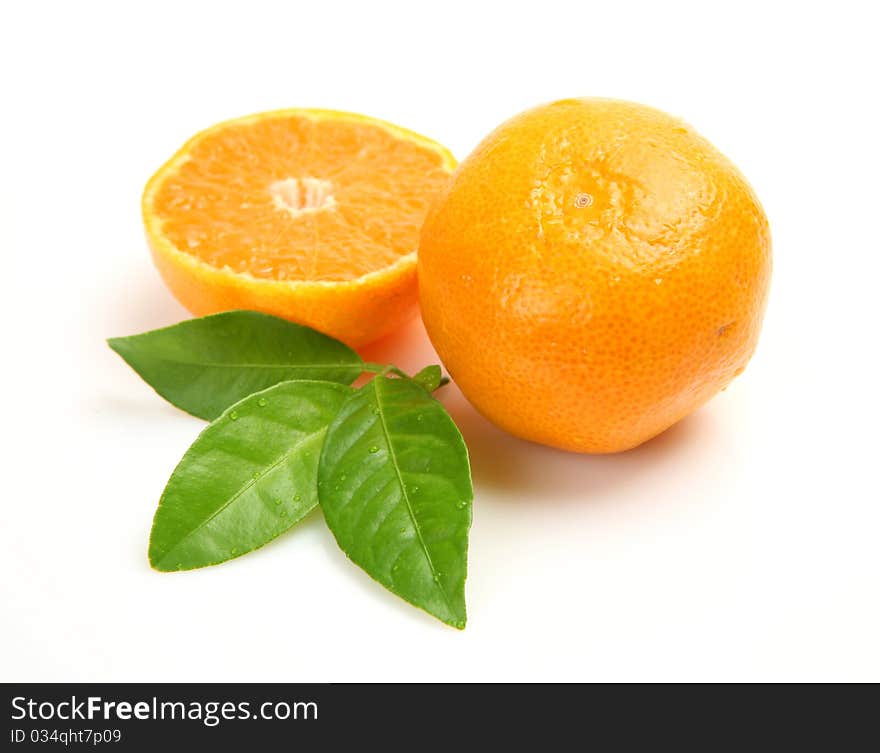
x=312, y=215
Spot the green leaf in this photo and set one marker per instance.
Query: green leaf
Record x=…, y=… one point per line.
x=431, y=377
x=249, y=476
x=205, y=365
x=394, y=484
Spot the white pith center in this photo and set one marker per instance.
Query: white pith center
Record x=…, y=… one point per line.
x=301, y=195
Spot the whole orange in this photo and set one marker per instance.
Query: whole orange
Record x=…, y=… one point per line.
x=593, y=272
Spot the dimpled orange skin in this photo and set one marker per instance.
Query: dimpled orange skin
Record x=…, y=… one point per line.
x=594, y=272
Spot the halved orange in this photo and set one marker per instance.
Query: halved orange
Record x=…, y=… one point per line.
x=312, y=215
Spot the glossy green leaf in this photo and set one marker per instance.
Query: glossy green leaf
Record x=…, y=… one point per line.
x=431, y=377
x=205, y=365
x=250, y=475
x=395, y=489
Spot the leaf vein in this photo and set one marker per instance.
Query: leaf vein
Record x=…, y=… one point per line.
x=393, y=456
x=244, y=488
x=221, y=365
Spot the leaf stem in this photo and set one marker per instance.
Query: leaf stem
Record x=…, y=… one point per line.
x=370, y=367
x=383, y=368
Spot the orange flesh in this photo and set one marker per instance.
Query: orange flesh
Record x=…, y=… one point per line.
x=299, y=198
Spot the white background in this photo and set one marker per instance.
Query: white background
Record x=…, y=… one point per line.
x=740, y=545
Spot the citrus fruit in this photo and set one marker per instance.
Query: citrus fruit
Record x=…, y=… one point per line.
x=593, y=272
x=312, y=215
